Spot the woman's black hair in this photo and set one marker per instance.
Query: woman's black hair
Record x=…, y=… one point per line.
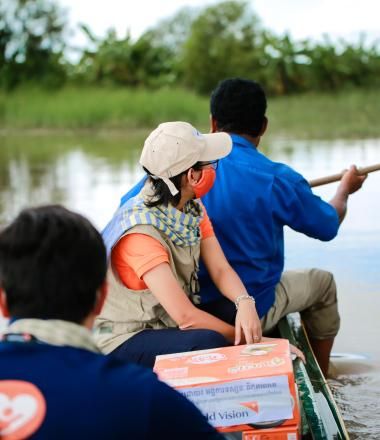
x=162, y=194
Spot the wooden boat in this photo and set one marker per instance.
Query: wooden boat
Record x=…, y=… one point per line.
x=320, y=415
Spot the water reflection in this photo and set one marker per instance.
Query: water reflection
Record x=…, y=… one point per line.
x=86, y=173
x=358, y=396
x=89, y=173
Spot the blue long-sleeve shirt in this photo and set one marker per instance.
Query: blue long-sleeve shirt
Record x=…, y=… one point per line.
x=251, y=201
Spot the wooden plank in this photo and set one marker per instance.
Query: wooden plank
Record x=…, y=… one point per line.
x=318, y=407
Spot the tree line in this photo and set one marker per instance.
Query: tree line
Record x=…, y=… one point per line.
x=195, y=48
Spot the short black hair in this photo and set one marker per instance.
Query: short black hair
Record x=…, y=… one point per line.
x=52, y=262
x=238, y=106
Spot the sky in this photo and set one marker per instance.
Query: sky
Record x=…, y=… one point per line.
x=301, y=18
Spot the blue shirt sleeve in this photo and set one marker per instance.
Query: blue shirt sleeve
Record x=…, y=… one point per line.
x=175, y=417
x=296, y=206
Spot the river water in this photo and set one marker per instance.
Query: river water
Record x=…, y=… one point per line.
x=88, y=173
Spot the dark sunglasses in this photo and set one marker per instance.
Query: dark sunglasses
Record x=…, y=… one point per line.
x=213, y=163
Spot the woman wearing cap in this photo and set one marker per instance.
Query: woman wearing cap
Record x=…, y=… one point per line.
x=155, y=241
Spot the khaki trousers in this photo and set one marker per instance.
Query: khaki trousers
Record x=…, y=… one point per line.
x=312, y=292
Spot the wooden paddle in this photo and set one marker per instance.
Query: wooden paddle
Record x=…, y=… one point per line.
x=337, y=177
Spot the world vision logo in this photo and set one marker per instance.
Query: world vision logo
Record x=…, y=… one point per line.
x=22, y=409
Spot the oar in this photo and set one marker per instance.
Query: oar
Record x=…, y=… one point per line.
x=337, y=177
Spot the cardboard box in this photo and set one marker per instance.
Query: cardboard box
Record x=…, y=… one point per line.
x=285, y=433
x=237, y=388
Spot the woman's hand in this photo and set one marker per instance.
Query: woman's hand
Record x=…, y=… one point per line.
x=248, y=322
x=297, y=352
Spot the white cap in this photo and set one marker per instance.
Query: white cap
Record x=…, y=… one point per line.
x=174, y=147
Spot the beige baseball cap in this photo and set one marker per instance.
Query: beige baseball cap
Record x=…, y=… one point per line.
x=174, y=147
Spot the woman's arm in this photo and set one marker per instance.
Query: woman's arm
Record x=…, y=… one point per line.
x=231, y=286
x=162, y=283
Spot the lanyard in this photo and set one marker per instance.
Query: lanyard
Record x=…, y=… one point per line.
x=24, y=338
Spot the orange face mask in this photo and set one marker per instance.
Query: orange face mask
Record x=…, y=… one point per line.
x=205, y=183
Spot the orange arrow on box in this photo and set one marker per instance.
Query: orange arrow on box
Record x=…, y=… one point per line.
x=254, y=406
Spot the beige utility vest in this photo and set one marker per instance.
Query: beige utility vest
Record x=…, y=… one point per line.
x=127, y=312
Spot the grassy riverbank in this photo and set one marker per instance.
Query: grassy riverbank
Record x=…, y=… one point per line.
x=351, y=114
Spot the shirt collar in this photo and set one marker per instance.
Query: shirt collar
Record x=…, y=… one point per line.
x=55, y=332
x=241, y=141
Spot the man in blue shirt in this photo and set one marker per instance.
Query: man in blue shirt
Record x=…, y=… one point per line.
x=252, y=200
x=54, y=383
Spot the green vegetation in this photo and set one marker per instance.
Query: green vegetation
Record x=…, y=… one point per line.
x=351, y=114
x=232, y=36
x=99, y=107
x=196, y=48
x=31, y=43
x=316, y=90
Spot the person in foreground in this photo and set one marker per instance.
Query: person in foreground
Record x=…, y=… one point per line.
x=155, y=241
x=54, y=382
x=249, y=205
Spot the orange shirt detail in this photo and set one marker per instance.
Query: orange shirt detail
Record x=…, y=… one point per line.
x=136, y=254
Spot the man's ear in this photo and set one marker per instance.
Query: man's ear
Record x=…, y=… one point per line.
x=213, y=125
x=102, y=295
x=3, y=304
x=264, y=126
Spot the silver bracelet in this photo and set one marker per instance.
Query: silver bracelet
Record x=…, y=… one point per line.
x=241, y=298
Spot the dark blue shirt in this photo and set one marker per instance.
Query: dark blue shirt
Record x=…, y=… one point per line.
x=251, y=201
x=91, y=396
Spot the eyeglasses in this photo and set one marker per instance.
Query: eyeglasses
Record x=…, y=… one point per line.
x=212, y=163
